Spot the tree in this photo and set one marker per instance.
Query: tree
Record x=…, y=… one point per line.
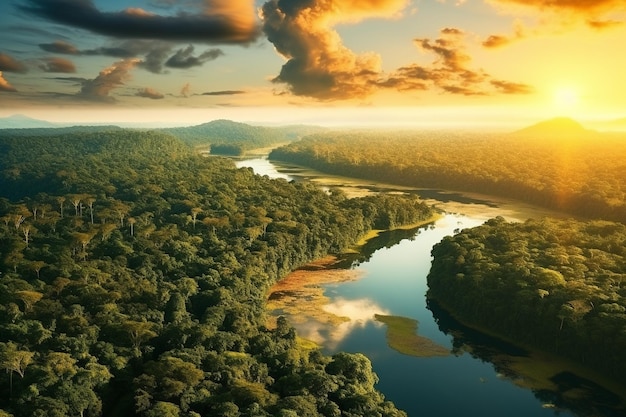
x=139, y=332
x=29, y=298
x=90, y=201
x=194, y=215
x=14, y=360
x=61, y=202
x=131, y=223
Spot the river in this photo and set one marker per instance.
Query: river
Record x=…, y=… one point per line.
x=477, y=375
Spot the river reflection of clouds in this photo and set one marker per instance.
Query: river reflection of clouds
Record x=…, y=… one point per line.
x=357, y=314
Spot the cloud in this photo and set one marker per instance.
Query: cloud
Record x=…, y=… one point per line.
x=184, y=58
x=154, y=52
x=496, y=41
x=507, y=87
x=223, y=93
x=220, y=21
x=58, y=65
x=603, y=24
x=10, y=64
x=109, y=79
x=75, y=80
x=450, y=72
x=590, y=12
x=318, y=64
x=185, y=90
x=60, y=47
x=5, y=86
x=149, y=93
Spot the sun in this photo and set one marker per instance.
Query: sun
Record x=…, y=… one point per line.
x=566, y=98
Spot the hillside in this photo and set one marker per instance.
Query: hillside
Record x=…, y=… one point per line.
x=18, y=121
x=234, y=138
x=557, y=285
x=580, y=173
x=558, y=128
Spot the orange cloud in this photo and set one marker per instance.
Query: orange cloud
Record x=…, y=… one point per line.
x=450, y=71
x=108, y=79
x=495, y=41
x=603, y=24
x=185, y=90
x=318, y=64
x=5, y=86
x=60, y=47
x=10, y=64
x=591, y=12
x=150, y=93
x=507, y=87
x=58, y=65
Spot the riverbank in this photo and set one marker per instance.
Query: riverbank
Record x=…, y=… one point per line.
x=376, y=232
x=306, y=284
x=539, y=370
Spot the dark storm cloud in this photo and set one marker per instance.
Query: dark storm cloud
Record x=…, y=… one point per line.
x=184, y=58
x=58, y=65
x=221, y=22
x=10, y=64
x=60, y=47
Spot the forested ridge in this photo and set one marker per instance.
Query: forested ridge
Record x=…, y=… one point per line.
x=559, y=285
x=133, y=278
x=225, y=137
x=579, y=172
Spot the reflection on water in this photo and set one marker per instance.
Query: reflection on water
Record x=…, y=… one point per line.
x=551, y=383
x=359, y=312
x=483, y=376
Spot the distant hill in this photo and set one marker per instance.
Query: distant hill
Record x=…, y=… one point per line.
x=54, y=131
x=612, y=125
x=234, y=138
x=19, y=121
x=560, y=127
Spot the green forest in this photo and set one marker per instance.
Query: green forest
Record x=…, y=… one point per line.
x=134, y=274
x=559, y=285
x=579, y=172
x=555, y=285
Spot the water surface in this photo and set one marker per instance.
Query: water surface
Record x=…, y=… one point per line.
x=482, y=376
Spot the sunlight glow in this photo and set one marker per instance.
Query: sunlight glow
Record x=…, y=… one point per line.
x=566, y=98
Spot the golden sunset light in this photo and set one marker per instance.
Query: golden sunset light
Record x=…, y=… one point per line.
x=392, y=53
x=312, y=208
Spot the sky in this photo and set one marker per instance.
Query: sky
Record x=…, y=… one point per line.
x=333, y=62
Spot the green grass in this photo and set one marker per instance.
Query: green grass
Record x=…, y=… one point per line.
x=402, y=336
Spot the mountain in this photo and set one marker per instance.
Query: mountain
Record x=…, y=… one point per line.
x=559, y=127
x=19, y=121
